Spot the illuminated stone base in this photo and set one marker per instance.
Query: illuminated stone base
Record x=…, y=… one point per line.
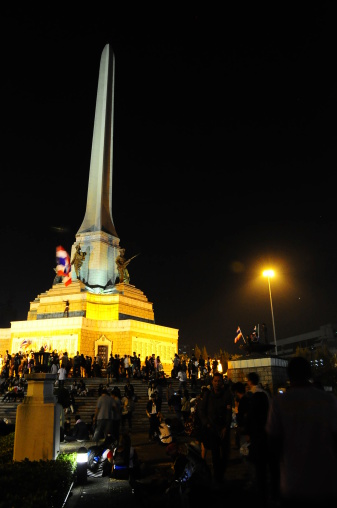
x=118, y=323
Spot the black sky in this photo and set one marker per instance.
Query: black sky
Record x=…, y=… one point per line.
x=224, y=159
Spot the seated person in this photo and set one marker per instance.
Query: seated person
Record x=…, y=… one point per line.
x=74, y=388
x=20, y=392
x=67, y=426
x=14, y=393
x=82, y=389
x=122, y=459
x=80, y=431
x=8, y=395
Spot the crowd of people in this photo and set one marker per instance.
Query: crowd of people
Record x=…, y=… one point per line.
x=288, y=441
x=118, y=366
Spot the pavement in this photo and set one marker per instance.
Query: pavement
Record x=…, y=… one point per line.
x=156, y=477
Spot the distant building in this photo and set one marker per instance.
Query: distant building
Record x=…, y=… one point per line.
x=184, y=350
x=326, y=336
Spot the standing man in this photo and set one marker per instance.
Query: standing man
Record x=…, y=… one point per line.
x=115, y=368
x=215, y=412
x=302, y=434
x=152, y=413
x=77, y=365
x=176, y=365
x=256, y=436
x=116, y=423
x=62, y=373
x=109, y=369
x=17, y=362
x=242, y=408
x=201, y=365
x=66, y=309
x=194, y=372
x=182, y=379
x=103, y=416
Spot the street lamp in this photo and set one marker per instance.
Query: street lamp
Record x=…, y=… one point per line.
x=82, y=465
x=269, y=274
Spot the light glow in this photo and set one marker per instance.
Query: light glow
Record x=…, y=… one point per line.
x=268, y=273
x=82, y=455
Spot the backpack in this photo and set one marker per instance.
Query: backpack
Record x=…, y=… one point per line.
x=94, y=458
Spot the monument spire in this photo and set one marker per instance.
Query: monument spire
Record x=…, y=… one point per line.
x=98, y=214
x=97, y=239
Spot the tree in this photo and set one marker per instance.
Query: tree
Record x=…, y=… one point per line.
x=197, y=351
x=323, y=365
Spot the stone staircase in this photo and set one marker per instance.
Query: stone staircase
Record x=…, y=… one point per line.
x=85, y=406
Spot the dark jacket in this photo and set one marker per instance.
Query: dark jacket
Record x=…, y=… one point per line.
x=80, y=431
x=215, y=410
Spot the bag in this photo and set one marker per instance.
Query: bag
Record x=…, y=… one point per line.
x=186, y=406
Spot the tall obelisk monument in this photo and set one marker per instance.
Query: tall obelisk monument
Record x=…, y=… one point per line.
x=103, y=317
x=97, y=235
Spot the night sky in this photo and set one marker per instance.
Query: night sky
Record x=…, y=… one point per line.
x=224, y=160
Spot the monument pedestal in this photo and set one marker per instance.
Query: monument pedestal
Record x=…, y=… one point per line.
x=272, y=370
x=37, y=428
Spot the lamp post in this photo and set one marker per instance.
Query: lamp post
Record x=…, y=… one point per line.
x=82, y=465
x=269, y=274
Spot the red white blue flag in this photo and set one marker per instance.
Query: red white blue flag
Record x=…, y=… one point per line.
x=238, y=335
x=25, y=343
x=63, y=267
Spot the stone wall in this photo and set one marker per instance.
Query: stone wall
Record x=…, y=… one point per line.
x=272, y=371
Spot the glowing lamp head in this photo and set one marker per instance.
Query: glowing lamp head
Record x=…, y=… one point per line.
x=268, y=273
x=82, y=455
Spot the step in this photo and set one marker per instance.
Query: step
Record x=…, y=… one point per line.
x=85, y=405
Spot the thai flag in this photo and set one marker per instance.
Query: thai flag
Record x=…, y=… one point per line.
x=63, y=265
x=238, y=335
x=25, y=343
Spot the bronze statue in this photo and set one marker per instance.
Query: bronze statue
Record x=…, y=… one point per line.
x=78, y=260
x=57, y=278
x=122, y=263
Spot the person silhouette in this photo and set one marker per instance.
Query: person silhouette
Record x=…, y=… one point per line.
x=302, y=433
x=66, y=309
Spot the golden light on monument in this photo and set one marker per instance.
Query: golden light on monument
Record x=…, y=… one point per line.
x=269, y=274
